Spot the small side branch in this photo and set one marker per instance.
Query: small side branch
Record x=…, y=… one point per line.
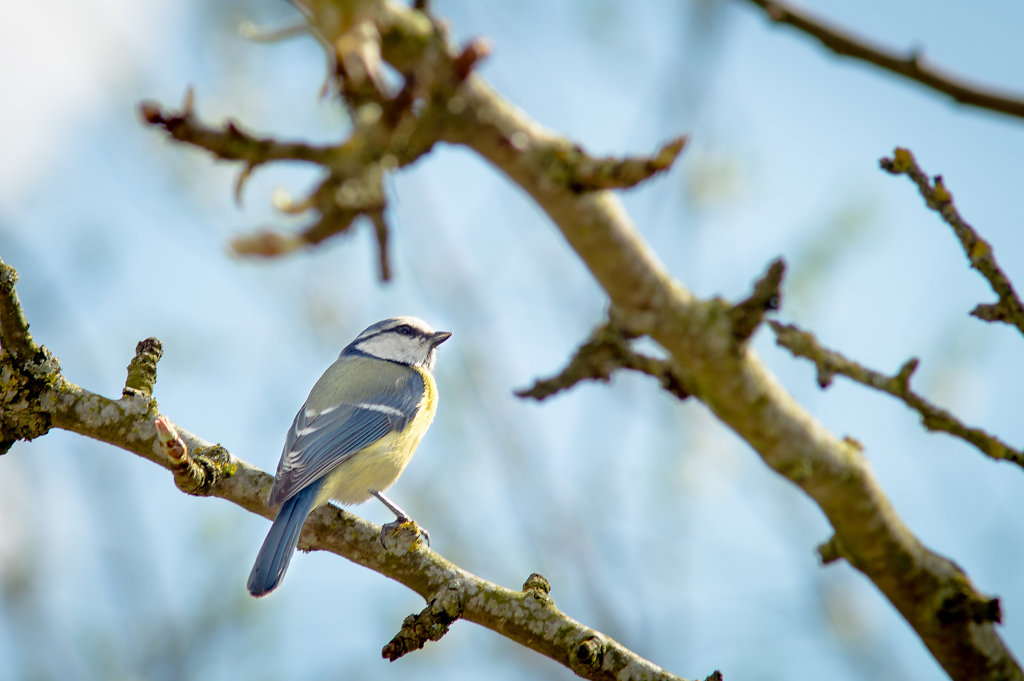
x=352, y=185
x=14, y=335
x=909, y=65
x=142, y=368
x=132, y=423
x=606, y=351
x=389, y=131
x=430, y=624
x=748, y=314
x=197, y=472
x=1008, y=308
x=620, y=173
x=830, y=363
x=381, y=232
x=27, y=370
x=228, y=142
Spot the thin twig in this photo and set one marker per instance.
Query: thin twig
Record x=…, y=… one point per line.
x=830, y=363
x=229, y=142
x=590, y=173
x=909, y=65
x=748, y=314
x=606, y=351
x=381, y=232
x=1008, y=308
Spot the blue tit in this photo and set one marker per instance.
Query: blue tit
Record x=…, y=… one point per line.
x=354, y=435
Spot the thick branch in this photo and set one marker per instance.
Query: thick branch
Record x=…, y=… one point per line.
x=909, y=65
x=729, y=378
x=1008, y=309
x=528, y=617
x=700, y=337
x=829, y=363
x=521, y=616
x=608, y=348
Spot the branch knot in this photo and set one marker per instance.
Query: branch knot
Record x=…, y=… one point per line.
x=430, y=624
x=588, y=656
x=142, y=368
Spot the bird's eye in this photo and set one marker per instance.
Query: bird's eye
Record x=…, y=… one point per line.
x=404, y=330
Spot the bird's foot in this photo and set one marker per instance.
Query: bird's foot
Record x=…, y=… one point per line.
x=401, y=518
x=402, y=529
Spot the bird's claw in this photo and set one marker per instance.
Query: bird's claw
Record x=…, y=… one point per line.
x=389, y=528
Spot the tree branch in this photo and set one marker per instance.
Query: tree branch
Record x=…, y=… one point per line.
x=588, y=173
x=909, y=65
x=829, y=363
x=14, y=335
x=133, y=423
x=142, y=369
x=352, y=185
x=608, y=348
x=230, y=142
x=705, y=338
x=724, y=373
x=26, y=370
x=1008, y=309
x=381, y=231
x=606, y=351
x=748, y=314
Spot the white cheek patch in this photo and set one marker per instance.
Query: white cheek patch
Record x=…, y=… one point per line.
x=394, y=348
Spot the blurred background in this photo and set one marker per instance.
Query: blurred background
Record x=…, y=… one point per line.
x=653, y=523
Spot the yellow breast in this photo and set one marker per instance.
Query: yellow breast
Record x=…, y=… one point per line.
x=380, y=464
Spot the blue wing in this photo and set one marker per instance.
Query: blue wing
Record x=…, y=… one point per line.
x=321, y=440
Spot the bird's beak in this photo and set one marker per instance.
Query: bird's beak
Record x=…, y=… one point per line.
x=440, y=337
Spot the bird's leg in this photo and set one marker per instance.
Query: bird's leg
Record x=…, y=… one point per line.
x=400, y=517
x=392, y=506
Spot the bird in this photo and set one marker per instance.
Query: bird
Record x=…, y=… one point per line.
x=354, y=435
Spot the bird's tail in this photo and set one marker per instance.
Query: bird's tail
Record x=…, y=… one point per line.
x=278, y=547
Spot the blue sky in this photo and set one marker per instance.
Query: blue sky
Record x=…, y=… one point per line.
x=653, y=523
